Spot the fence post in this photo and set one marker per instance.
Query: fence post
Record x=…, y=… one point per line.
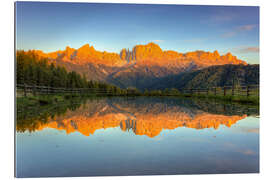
x=215, y=90
x=247, y=91
x=224, y=91
x=24, y=90
x=207, y=91
x=233, y=90
x=34, y=90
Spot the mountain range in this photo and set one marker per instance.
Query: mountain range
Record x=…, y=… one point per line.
x=144, y=67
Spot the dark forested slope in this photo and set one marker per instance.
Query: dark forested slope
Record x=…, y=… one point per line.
x=223, y=75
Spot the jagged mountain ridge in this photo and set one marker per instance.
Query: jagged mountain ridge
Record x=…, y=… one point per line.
x=135, y=68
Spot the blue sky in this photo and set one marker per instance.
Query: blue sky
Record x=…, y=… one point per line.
x=111, y=27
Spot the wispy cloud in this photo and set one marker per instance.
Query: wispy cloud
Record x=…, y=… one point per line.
x=221, y=18
x=195, y=40
x=249, y=152
x=246, y=27
x=148, y=41
x=237, y=148
x=229, y=34
x=250, y=50
x=253, y=130
x=247, y=49
x=158, y=40
x=238, y=29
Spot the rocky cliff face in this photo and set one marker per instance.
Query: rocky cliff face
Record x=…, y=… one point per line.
x=150, y=63
x=146, y=55
x=152, y=55
x=84, y=55
x=136, y=67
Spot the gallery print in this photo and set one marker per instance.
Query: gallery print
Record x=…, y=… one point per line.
x=107, y=89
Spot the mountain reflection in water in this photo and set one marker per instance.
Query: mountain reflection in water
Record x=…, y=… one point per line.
x=143, y=116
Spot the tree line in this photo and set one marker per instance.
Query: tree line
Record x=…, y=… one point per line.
x=34, y=70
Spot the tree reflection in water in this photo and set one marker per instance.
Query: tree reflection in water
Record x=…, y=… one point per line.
x=144, y=116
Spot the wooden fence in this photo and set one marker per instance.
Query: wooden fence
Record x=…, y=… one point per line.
x=249, y=90
x=34, y=90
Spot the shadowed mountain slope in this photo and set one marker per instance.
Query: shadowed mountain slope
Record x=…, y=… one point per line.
x=225, y=75
x=138, y=67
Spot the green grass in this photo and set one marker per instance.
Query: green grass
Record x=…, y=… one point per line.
x=228, y=98
x=43, y=100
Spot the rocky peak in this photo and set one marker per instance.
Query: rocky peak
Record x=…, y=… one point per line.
x=216, y=54
x=85, y=47
x=147, y=55
x=69, y=52
x=229, y=55
x=84, y=51
x=151, y=55
x=126, y=54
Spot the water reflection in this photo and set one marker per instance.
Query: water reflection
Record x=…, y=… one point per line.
x=136, y=136
x=141, y=116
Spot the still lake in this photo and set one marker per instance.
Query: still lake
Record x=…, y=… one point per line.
x=137, y=136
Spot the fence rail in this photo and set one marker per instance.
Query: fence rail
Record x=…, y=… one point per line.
x=250, y=90
x=34, y=89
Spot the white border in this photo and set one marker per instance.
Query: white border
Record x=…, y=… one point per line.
x=7, y=88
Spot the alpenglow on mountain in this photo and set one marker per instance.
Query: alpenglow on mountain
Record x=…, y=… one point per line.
x=136, y=67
